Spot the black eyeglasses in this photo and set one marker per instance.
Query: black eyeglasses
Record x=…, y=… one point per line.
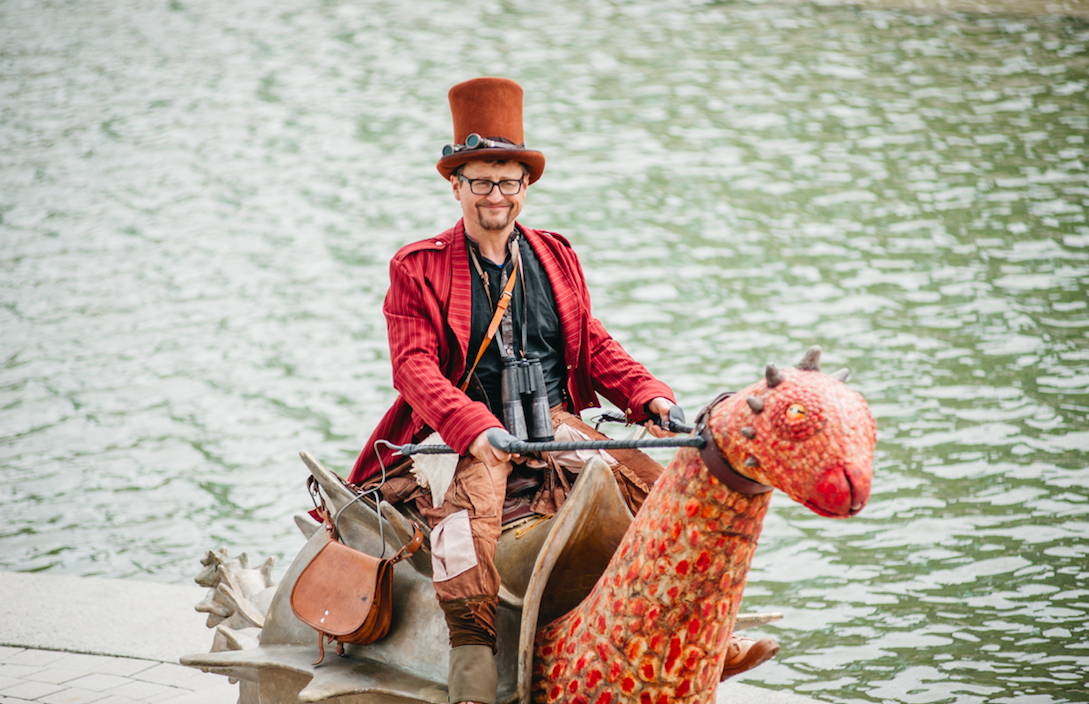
x=483, y=186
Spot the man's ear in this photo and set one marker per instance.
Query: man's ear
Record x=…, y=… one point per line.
x=456, y=183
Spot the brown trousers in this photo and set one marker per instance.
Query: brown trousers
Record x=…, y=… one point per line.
x=468, y=592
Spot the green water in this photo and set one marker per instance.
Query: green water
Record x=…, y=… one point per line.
x=198, y=202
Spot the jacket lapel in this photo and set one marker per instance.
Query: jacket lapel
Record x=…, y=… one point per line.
x=567, y=299
x=460, y=311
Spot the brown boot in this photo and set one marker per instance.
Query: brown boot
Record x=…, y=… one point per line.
x=745, y=653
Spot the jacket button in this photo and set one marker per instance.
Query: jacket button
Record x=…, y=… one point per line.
x=438, y=243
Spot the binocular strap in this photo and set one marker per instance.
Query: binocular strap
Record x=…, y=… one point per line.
x=501, y=310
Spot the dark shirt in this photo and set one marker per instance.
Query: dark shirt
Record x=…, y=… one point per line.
x=535, y=312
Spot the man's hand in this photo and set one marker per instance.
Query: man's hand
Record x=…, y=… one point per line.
x=659, y=407
x=483, y=451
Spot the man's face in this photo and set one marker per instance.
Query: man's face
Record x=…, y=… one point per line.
x=494, y=211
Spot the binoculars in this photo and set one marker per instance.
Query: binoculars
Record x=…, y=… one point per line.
x=525, y=400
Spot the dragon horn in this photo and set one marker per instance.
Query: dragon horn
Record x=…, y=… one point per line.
x=773, y=375
x=811, y=362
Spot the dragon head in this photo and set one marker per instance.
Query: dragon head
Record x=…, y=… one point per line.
x=803, y=432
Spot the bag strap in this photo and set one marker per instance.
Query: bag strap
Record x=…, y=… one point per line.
x=410, y=548
x=320, y=508
x=500, y=309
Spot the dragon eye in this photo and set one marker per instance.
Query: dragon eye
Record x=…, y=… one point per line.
x=795, y=411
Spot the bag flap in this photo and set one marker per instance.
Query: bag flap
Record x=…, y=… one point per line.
x=335, y=592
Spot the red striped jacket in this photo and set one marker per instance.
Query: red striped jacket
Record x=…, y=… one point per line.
x=428, y=309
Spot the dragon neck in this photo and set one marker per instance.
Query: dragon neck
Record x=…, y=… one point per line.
x=662, y=613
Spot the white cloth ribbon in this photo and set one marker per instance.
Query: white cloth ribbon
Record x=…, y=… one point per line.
x=573, y=460
x=434, y=471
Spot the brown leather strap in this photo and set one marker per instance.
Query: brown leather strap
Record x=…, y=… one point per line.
x=717, y=465
x=500, y=309
x=410, y=549
x=319, y=506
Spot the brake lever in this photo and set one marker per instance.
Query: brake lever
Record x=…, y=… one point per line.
x=610, y=416
x=676, y=423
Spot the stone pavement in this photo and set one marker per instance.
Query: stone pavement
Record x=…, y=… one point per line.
x=78, y=640
x=55, y=677
x=86, y=640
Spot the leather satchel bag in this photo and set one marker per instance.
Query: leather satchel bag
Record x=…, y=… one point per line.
x=347, y=595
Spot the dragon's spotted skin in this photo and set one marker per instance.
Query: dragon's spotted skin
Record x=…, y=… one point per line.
x=655, y=628
x=656, y=625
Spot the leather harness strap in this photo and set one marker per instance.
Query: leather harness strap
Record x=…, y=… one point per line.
x=409, y=549
x=717, y=465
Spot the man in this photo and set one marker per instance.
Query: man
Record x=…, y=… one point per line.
x=461, y=306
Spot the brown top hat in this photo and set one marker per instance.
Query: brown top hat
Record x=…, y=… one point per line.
x=488, y=126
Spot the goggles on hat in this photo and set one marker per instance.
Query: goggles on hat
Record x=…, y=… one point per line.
x=475, y=141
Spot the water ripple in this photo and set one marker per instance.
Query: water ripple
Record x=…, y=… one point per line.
x=199, y=201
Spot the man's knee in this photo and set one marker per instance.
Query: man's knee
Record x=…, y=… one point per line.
x=471, y=621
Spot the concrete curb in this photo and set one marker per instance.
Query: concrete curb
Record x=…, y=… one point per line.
x=82, y=640
x=101, y=616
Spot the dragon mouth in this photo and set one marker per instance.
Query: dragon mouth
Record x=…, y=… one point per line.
x=857, y=504
x=823, y=512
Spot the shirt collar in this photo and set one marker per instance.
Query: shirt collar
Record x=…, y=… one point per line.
x=474, y=247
